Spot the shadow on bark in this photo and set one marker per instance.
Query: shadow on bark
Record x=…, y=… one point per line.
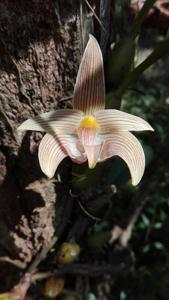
x=25, y=23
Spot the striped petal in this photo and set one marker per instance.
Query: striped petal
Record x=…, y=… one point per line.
x=50, y=155
x=126, y=146
x=111, y=120
x=93, y=154
x=71, y=145
x=65, y=120
x=92, y=144
x=89, y=91
x=53, y=149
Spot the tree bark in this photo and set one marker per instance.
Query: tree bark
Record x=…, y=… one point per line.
x=39, y=60
x=41, y=44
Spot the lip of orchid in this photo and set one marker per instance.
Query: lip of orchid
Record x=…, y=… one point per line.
x=89, y=131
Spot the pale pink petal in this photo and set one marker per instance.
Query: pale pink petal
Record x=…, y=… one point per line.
x=65, y=121
x=126, y=146
x=53, y=149
x=93, y=154
x=70, y=143
x=50, y=154
x=89, y=91
x=111, y=120
x=92, y=144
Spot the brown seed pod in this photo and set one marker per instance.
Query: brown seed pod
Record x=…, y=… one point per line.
x=53, y=287
x=68, y=253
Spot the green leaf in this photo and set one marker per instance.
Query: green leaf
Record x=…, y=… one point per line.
x=141, y=225
x=159, y=245
x=163, y=215
x=123, y=295
x=146, y=249
x=119, y=62
x=158, y=225
x=91, y=296
x=161, y=50
x=145, y=220
x=141, y=16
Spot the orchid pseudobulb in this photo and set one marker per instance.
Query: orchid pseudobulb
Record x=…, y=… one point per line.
x=89, y=131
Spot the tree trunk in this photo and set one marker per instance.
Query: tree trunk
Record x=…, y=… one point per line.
x=41, y=44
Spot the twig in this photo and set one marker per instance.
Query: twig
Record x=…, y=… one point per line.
x=65, y=98
x=140, y=198
x=87, y=213
x=91, y=270
x=41, y=255
x=95, y=15
x=19, y=264
x=40, y=276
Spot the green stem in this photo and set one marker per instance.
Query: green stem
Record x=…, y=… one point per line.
x=161, y=50
x=141, y=16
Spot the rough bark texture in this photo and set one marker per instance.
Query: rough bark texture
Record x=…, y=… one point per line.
x=39, y=44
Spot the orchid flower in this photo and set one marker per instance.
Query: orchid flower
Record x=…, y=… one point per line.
x=89, y=131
